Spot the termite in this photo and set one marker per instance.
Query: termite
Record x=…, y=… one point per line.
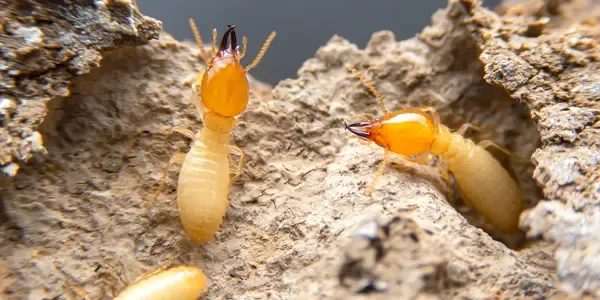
x=417, y=134
x=184, y=282
x=221, y=94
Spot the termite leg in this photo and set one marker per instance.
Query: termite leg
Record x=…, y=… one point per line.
x=422, y=159
x=176, y=159
x=463, y=129
x=437, y=96
x=81, y=293
x=433, y=112
x=446, y=176
x=358, y=118
x=72, y=283
x=237, y=170
x=487, y=143
x=379, y=173
x=147, y=274
x=118, y=276
x=182, y=130
x=364, y=142
x=361, y=140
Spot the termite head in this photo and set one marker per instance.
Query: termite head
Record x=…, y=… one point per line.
x=224, y=87
x=406, y=132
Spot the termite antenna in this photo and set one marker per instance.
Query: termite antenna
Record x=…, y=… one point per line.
x=370, y=86
x=437, y=96
x=244, y=46
x=199, y=41
x=262, y=52
x=214, y=41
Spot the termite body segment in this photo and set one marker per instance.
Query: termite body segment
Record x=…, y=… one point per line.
x=221, y=94
x=185, y=282
x=203, y=185
x=483, y=182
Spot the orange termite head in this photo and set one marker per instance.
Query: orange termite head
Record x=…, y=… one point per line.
x=406, y=132
x=224, y=87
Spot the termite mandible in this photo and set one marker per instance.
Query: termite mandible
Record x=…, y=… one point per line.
x=221, y=92
x=483, y=182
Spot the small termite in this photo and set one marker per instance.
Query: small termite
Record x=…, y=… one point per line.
x=184, y=282
x=417, y=134
x=221, y=94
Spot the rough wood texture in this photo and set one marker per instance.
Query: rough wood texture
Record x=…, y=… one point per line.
x=298, y=222
x=45, y=44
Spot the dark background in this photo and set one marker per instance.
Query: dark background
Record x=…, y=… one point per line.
x=302, y=26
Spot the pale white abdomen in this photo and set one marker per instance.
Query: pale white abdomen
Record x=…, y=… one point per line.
x=186, y=282
x=484, y=183
x=203, y=187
